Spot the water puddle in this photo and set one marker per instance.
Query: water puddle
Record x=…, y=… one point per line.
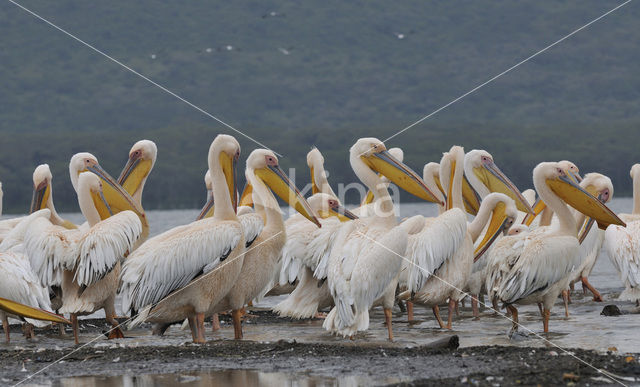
x=220, y=378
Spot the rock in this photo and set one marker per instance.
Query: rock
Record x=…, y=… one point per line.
x=611, y=310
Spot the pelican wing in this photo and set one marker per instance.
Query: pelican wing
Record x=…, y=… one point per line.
x=545, y=260
x=166, y=263
x=7, y=225
x=20, y=284
x=428, y=249
x=623, y=246
x=319, y=249
x=104, y=245
x=299, y=234
x=252, y=225
x=51, y=250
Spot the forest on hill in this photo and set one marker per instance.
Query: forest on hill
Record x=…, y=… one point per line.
x=297, y=74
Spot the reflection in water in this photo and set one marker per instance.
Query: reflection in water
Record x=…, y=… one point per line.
x=219, y=378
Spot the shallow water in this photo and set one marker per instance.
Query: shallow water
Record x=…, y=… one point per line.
x=239, y=378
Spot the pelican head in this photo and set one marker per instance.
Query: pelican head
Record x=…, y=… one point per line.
x=635, y=171
x=503, y=214
x=566, y=188
x=373, y=153
x=90, y=186
x=314, y=159
x=118, y=199
x=263, y=164
x=479, y=166
x=326, y=205
x=601, y=187
x=41, y=188
x=571, y=169
x=518, y=229
x=142, y=158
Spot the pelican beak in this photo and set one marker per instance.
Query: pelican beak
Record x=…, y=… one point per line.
x=400, y=174
x=586, y=227
x=577, y=197
x=18, y=309
x=117, y=198
x=314, y=186
x=449, y=199
x=538, y=207
x=470, y=197
x=497, y=181
x=280, y=184
x=40, y=196
x=207, y=210
x=368, y=199
x=102, y=205
x=134, y=172
x=497, y=225
x=246, y=199
x=342, y=213
x=228, y=164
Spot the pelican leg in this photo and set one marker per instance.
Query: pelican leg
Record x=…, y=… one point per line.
x=495, y=306
x=5, y=326
x=457, y=308
x=215, y=322
x=200, y=328
x=74, y=324
x=194, y=327
x=61, y=332
x=572, y=286
x=565, y=298
x=110, y=312
x=436, y=312
x=387, y=319
x=540, y=309
x=514, y=317
x=320, y=315
x=237, y=323
x=545, y=322
x=474, y=306
x=409, y=311
x=596, y=294
x=27, y=330
x=453, y=304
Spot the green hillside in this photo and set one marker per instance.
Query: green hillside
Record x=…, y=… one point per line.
x=296, y=74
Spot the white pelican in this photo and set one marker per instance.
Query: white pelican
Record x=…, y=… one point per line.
x=443, y=251
x=264, y=175
x=484, y=177
x=367, y=255
x=591, y=238
x=298, y=228
x=623, y=245
x=311, y=247
x=534, y=267
x=85, y=262
x=180, y=273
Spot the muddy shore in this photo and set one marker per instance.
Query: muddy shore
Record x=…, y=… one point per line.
x=379, y=362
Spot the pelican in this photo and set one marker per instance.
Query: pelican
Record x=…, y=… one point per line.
x=182, y=272
x=264, y=174
x=534, y=267
x=298, y=229
x=442, y=252
x=590, y=238
x=85, y=262
x=311, y=247
x=623, y=245
x=367, y=255
x=485, y=177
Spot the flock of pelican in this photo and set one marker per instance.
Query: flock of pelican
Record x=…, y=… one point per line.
x=518, y=248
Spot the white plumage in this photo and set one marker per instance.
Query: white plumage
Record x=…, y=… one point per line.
x=623, y=246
